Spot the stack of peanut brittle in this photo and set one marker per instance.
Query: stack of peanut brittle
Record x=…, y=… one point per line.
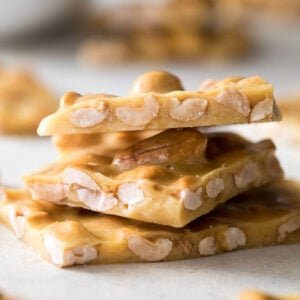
x=165, y=30
x=134, y=180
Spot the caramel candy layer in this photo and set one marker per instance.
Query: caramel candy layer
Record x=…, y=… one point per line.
x=23, y=102
x=66, y=236
x=171, y=178
x=70, y=145
x=157, y=101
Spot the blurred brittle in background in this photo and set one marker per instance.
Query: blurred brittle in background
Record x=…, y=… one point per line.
x=258, y=295
x=3, y=297
x=23, y=102
x=278, y=10
x=290, y=107
x=169, y=30
x=285, y=133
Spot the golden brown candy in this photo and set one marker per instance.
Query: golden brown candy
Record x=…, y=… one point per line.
x=170, y=179
x=66, y=236
x=228, y=101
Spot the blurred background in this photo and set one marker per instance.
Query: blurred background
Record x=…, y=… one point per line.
x=93, y=46
x=89, y=45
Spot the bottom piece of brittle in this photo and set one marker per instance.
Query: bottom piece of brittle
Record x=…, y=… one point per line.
x=66, y=236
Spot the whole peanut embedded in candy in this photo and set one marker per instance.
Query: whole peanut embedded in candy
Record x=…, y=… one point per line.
x=173, y=146
x=262, y=109
x=235, y=99
x=234, y=238
x=156, y=81
x=187, y=110
x=141, y=115
x=148, y=250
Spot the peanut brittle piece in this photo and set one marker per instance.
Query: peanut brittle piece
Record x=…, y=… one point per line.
x=3, y=297
x=23, y=102
x=128, y=18
x=170, y=178
x=157, y=101
x=66, y=236
x=182, y=45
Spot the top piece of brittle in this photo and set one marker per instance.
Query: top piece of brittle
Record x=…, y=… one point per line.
x=158, y=101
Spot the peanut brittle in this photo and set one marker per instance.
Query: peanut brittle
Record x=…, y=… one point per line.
x=185, y=46
x=175, y=15
x=3, y=297
x=66, y=236
x=171, y=178
x=157, y=101
x=23, y=102
x=270, y=10
x=176, y=30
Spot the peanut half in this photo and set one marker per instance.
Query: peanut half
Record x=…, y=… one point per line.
x=170, y=147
